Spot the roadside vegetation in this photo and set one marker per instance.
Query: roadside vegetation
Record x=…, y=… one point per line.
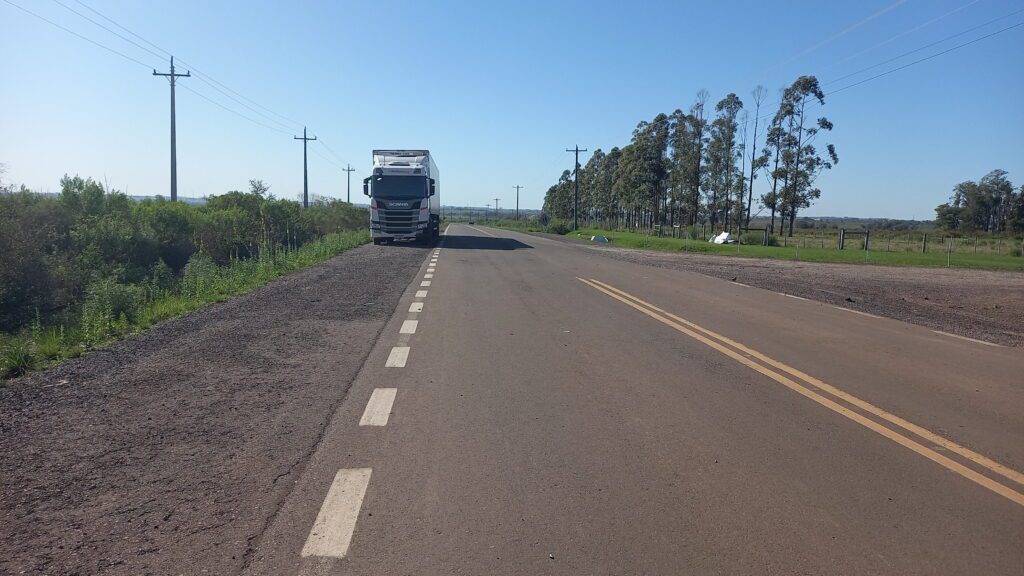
x=809, y=248
x=90, y=265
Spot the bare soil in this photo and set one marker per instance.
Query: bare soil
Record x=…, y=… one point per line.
x=982, y=304
x=170, y=452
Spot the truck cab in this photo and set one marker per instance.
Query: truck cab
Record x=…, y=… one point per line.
x=405, y=201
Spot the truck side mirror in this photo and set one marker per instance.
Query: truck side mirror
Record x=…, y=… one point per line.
x=433, y=187
x=366, y=186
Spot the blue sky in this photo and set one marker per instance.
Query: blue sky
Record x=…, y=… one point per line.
x=498, y=90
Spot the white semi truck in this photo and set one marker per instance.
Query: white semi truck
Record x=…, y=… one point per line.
x=405, y=200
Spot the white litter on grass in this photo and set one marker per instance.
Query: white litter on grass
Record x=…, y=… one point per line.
x=601, y=239
x=723, y=238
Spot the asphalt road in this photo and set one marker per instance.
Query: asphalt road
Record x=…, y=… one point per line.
x=533, y=407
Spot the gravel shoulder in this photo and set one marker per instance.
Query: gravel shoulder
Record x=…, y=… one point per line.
x=170, y=452
x=982, y=304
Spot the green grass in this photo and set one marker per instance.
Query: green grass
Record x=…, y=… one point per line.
x=114, y=311
x=848, y=256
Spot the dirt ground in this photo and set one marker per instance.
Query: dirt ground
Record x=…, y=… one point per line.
x=986, y=305
x=170, y=452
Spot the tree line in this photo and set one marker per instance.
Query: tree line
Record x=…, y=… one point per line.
x=689, y=168
x=57, y=250
x=990, y=205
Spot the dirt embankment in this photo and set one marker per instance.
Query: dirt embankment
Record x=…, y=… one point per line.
x=170, y=452
x=986, y=305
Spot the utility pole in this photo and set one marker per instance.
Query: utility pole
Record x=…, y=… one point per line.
x=576, y=187
x=172, y=77
x=305, y=170
x=348, y=189
x=517, y=201
x=496, y=208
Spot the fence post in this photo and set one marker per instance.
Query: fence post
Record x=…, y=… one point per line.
x=867, y=238
x=764, y=241
x=842, y=238
x=949, y=251
x=924, y=243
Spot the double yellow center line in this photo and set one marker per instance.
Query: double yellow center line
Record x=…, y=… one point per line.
x=816, y=390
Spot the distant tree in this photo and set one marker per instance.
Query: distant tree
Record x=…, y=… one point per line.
x=801, y=159
x=558, y=201
x=756, y=162
x=721, y=159
x=988, y=205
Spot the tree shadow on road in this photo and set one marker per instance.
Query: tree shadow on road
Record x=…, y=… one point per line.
x=453, y=242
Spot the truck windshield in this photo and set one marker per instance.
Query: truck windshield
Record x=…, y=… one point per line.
x=399, y=187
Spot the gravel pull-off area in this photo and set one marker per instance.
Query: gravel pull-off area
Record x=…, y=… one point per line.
x=981, y=304
x=170, y=452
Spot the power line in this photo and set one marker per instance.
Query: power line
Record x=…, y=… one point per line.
x=235, y=112
x=201, y=76
x=906, y=32
x=331, y=150
x=101, y=15
x=73, y=33
x=926, y=46
x=143, y=64
x=909, y=52
x=128, y=40
x=886, y=73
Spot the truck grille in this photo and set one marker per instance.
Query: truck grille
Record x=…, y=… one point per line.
x=398, y=221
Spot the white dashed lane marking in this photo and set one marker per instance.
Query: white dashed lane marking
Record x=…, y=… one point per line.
x=430, y=270
x=409, y=327
x=379, y=407
x=416, y=307
x=399, y=355
x=421, y=293
x=332, y=531
x=425, y=283
x=428, y=275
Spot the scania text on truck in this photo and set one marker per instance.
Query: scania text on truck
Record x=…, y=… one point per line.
x=405, y=203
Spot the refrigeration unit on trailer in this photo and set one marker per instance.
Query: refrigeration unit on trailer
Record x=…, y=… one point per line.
x=405, y=200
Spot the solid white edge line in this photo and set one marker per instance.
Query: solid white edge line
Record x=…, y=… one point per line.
x=740, y=284
x=408, y=327
x=975, y=340
x=795, y=297
x=857, y=312
x=416, y=307
x=332, y=531
x=378, y=408
x=398, y=357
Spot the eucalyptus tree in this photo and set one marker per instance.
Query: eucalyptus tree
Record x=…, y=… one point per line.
x=698, y=131
x=558, y=201
x=721, y=158
x=590, y=180
x=801, y=159
x=756, y=161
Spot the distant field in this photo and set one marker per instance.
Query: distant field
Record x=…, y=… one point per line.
x=804, y=248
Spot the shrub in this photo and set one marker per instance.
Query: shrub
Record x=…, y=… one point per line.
x=17, y=357
x=558, y=227
x=756, y=238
